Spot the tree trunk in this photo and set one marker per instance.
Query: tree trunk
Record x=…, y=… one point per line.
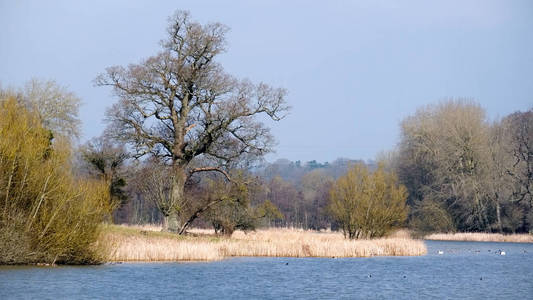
x=171, y=223
x=171, y=220
x=498, y=216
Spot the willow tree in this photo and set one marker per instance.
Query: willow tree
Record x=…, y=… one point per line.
x=180, y=105
x=445, y=162
x=46, y=213
x=368, y=204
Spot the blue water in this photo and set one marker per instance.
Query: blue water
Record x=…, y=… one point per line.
x=466, y=270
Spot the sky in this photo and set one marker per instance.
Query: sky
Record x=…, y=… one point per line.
x=353, y=69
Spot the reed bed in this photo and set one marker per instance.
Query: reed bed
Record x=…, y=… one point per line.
x=160, y=249
x=301, y=243
x=143, y=227
x=133, y=244
x=481, y=237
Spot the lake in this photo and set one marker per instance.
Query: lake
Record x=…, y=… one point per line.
x=465, y=270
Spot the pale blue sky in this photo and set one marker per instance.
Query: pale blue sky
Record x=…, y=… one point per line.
x=354, y=69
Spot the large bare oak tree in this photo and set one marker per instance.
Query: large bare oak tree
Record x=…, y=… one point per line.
x=180, y=105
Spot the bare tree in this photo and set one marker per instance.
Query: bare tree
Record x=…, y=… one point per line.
x=315, y=186
x=180, y=105
x=56, y=106
x=155, y=183
x=499, y=185
x=520, y=129
x=445, y=157
x=516, y=167
x=285, y=195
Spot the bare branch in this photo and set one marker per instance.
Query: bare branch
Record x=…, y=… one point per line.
x=211, y=169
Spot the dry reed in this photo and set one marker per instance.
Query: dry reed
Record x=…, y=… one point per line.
x=481, y=237
x=136, y=244
x=300, y=243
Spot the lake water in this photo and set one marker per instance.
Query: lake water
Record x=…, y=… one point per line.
x=466, y=270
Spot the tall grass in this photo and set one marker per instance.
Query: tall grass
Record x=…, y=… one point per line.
x=481, y=237
x=134, y=244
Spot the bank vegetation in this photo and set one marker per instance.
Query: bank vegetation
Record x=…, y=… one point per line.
x=481, y=237
x=47, y=215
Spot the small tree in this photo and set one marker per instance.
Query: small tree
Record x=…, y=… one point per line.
x=56, y=106
x=232, y=209
x=429, y=216
x=105, y=161
x=368, y=205
x=235, y=210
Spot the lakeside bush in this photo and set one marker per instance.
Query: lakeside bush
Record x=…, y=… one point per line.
x=429, y=216
x=46, y=214
x=368, y=204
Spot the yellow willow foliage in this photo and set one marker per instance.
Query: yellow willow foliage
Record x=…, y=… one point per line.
x=46, y=215
x=368, y=205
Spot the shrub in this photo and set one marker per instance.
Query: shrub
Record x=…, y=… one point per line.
x=368, y=205
x=234, y=210
x=46, y=215
x=428, y=217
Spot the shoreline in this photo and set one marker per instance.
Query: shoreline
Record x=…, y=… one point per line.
x=481, y=237
x=147, y=244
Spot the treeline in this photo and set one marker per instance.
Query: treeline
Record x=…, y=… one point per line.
x=278, y=194
x=464, y=172
x=299, y=190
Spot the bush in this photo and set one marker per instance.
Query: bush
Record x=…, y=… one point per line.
x=430, y=217
x=368, y=205
x=46, y=215
x=234, y=210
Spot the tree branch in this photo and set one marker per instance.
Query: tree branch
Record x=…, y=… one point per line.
x=211, y=169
